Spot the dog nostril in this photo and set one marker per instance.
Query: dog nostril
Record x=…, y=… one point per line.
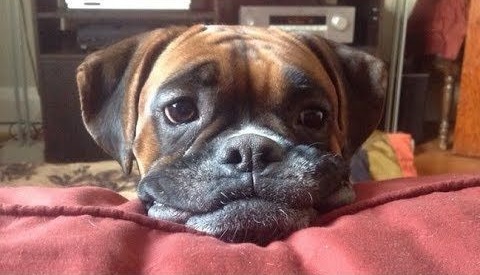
x=269, y=154
x=233, y=157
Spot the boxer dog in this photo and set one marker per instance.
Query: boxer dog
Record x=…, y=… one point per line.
x=244, y=133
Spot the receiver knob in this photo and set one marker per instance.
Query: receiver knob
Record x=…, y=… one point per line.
x=339, y=22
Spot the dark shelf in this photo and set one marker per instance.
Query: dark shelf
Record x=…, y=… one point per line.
x=160, y=15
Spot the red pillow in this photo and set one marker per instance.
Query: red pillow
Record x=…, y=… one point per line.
x=418, y=225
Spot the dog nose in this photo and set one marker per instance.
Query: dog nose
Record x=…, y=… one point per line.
x=250, y=152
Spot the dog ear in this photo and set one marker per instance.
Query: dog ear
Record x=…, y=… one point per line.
x=109, y=83
x=361, y=82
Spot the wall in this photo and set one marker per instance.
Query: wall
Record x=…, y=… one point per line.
x=8, y=110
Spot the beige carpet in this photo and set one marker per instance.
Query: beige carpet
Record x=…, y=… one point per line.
x=106, y=174
x=23, y=165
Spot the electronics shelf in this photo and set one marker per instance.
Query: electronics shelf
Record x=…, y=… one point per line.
x=58, y=33
x=163, y=15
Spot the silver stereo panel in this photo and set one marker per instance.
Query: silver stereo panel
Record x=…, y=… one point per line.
x=336, y=23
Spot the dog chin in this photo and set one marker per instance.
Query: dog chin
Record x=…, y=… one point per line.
x=251, y=219
x=245, y=220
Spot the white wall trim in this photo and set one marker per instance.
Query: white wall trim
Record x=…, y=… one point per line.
x=8, y=110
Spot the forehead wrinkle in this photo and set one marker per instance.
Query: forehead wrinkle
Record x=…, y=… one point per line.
x=269, y=74
x=262, y=71
x=283, y=48
x=187, y=71
x=262, y=84
x=242, y=80
x=198, y=47
x=212, y=41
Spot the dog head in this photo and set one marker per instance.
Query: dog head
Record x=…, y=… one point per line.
x=241, y=132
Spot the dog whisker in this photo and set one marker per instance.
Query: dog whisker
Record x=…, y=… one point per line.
x=284, y=213
x=311, y=197
x=255, y=220
x=276, y=221
x=223, y=233
x=274, y=233
x=312, y=145
x=257, y=155
x=245, y=234
x=235, y=232
x=225, y=196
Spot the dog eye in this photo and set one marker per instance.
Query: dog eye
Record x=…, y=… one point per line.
x=182, y=111
x=312, y=118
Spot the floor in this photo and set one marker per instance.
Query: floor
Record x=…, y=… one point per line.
x=14, y=151
x=430, y=160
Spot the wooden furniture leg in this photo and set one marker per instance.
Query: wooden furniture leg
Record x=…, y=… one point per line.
x=449, y=69
x=446, y=109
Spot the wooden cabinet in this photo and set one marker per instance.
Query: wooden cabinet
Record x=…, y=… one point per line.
x=58, y=55
x=65, y=136
x=467, y=129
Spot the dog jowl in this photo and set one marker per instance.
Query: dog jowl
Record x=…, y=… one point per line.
x=244, y=133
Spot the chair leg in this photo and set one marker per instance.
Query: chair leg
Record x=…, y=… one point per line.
x=446, y=108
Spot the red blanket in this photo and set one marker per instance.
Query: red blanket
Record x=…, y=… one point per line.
x=423, y=225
